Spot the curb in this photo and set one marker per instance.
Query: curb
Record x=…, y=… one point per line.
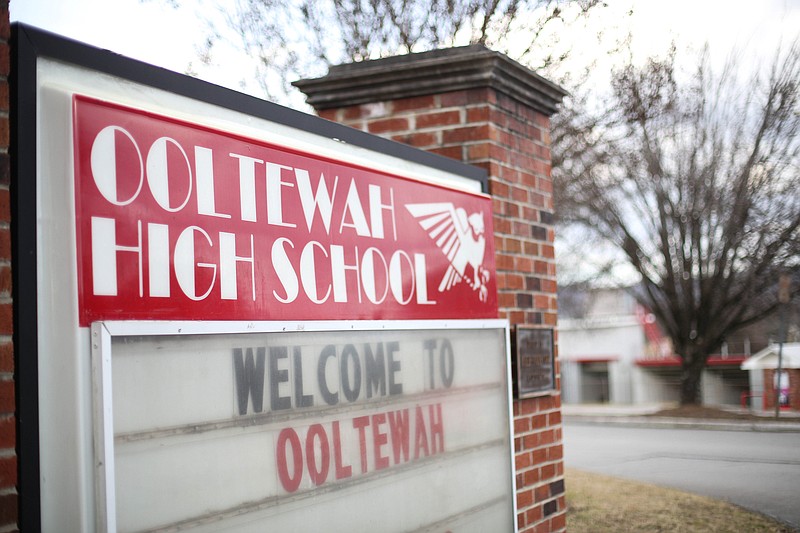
x=683, y=423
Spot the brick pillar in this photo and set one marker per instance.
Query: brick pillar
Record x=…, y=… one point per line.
x=8, y=436
x=481, y=108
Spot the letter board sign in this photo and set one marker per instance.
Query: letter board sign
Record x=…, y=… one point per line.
x=232, y=313
x=305, y=427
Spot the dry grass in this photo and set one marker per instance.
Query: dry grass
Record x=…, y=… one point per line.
x=599, y=504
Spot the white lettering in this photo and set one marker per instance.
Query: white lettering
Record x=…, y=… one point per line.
x=368, y=275
x=283, y=268
x=158, y=174
x=396, y=276
x=104, y=164
x=321, y=201
x=158, y=259
x=185, y=262
x=376, y=209
x=353, y=206
x=308, y=272
x=204, y=174
x=275, y=195
x=247, y=185
x=339, y=274
x=227, y=265
x=104, y=256
x=422, y=281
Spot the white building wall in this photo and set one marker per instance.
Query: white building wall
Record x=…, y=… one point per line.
x=616, y=339
x=655, y=385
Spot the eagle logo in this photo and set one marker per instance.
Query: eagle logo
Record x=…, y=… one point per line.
x=460, y=238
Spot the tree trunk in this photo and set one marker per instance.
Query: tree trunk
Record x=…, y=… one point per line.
x=692, y=372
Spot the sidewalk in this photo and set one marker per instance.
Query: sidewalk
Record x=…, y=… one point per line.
x=641, y=416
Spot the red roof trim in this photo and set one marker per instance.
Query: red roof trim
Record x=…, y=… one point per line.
x=714, y=360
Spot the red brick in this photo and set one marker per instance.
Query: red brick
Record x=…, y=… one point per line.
x=387, y=125
x=539, y=421
x=466, y=134
x=478, y=151
x=541, y=302
x=523, y=264
x=453, y=152
x=522, y=461
x=418, y=140
x=417, y=102
x=498, y=189
x=516, y=317
x=478, y=114
x=532, y=477
x=515, y=281
x=7, y=401
x=8, y=471
x=506, y=299
x=540, y=456
x=522, y=425
x=8, y=432
x=5, y=205
x=354, y=112
x=541, y=493
x=5, y=280
x=454, y=99
x=530, y=442
x=555, y=453
x=329, y=114
x=5, y=169
x=546, y=403
x=7, y=357
x=534, y=514
x=439, y=118
x=504, y=262
x=5, y=59
x=524, y=498
x=9, y=505
x=558, y=522
x=547, y=437
x=528, y=406
x=6, y=319
x=4, y=132
x=5, y=244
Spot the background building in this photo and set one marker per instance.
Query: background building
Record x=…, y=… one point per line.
x=613, y=351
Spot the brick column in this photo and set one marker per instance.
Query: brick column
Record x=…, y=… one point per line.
x=8, y=436
x=479, y=107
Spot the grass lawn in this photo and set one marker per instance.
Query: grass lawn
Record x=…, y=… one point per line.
x=597, y=503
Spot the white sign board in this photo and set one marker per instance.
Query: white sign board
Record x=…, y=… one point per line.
x=342, y=426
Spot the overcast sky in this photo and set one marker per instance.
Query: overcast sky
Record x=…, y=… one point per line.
x=153, y=32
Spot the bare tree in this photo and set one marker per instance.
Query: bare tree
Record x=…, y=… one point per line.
x=292, y=39
x=694, y=178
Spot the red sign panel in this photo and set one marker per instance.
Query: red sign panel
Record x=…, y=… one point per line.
x=177, y=221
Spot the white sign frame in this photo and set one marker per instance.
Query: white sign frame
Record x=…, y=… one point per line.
x=102, y=334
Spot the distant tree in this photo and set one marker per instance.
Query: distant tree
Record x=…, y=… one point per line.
x=694, y=178
x=292, y=39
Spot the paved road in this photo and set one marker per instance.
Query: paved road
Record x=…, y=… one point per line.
x=758, y=471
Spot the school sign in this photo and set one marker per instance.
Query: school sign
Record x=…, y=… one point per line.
x=249, y=318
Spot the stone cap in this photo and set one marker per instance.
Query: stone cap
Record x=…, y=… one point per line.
x=434, y=72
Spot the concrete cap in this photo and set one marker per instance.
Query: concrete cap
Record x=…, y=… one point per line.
x=434, y=72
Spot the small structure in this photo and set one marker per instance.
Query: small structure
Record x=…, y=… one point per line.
x=762, y=367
